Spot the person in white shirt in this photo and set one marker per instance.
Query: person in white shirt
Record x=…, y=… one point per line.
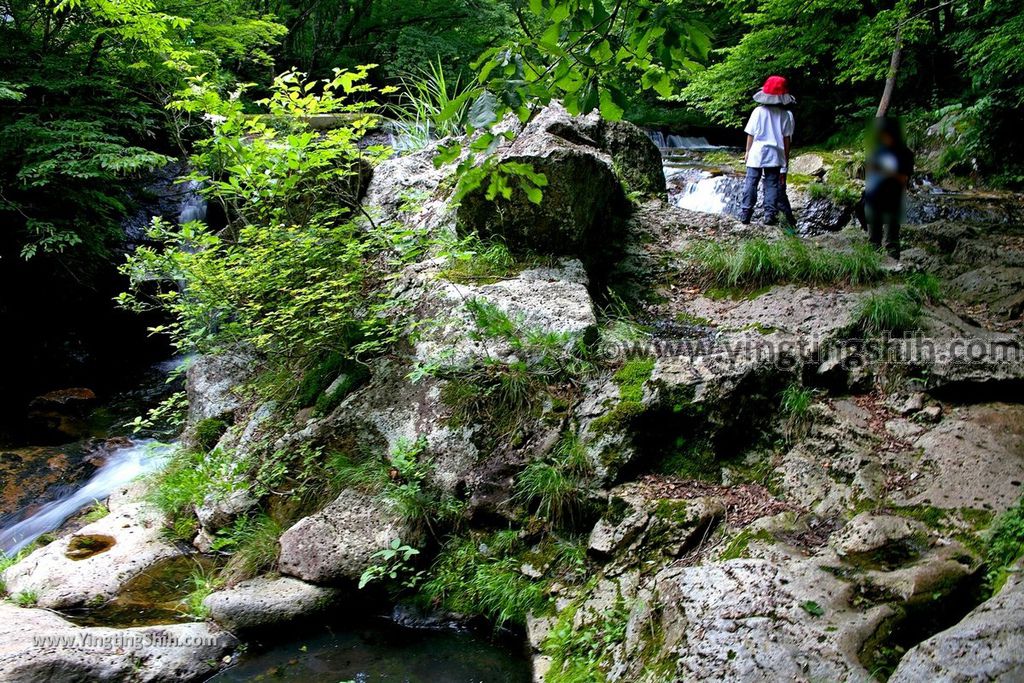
x=769, y=133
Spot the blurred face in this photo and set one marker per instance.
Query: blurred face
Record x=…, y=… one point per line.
x=886, y=139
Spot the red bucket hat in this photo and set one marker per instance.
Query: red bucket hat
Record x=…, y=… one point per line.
x=774, y=91
x=775, y=85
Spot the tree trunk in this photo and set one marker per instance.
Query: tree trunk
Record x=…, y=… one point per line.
x=890, y=80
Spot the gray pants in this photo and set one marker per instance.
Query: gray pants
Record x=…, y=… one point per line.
x=775, y=199
x=884, y=228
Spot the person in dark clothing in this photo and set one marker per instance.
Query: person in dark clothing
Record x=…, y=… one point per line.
x=889, y=167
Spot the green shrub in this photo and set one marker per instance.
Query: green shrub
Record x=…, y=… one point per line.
x=756, y=263
x=208, y=432
x=185, y=482
x=203, y=583
x=483, y=578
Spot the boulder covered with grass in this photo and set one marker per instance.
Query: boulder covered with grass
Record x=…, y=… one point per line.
x=584, y=206
x=338, y=543
x=39, y=645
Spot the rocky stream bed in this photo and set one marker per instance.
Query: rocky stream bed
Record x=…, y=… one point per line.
x=723, y=539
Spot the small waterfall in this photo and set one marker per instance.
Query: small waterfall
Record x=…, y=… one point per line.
x=193, y=204
x=705, y=194
x=122, y=466
x=680, y=142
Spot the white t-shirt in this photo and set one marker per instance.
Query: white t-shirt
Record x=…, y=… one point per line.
x=768, y=126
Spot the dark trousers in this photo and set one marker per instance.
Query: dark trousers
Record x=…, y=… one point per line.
x=775, y=199
x=884, y=227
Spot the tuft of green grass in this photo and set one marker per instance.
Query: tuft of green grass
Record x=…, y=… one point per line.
x=478, y=261
x=554, y=491
x=893, y=310
x=795, y=404
x=758, y=262
x=1005, y=546
x=203, y=583
x=98, y=511
x=27, y=599
x=927, y=286
x=253, y=544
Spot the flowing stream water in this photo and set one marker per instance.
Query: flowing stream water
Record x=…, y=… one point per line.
x=121, y=467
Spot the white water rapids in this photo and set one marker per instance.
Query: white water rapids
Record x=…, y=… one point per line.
x=122, y=466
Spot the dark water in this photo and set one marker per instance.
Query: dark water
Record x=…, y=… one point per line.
x=380, y=650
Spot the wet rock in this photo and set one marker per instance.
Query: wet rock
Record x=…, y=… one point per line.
x=583, y=209
x=821, y=214
x=987, y=645
x=67, y=573
x=264, y=602
x=338, y=543
x=63, y=411
x=37, y=645
x=82, y=546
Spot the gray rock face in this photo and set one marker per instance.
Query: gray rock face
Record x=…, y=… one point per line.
x=549, y=300
x=210, y=381
x=151, y=654
x=636, y=160
x=338, y=543
x=405, y=186
x=987, y=645
x=752, y=626
x=263, y=602
x=808, y=164
x=61, y=582
x=870, y=533
x=637, y=527
x=584, y=207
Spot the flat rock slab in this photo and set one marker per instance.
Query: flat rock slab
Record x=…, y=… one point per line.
x=37, y=645
x=264, y=602
x=974, y=459
x=60, y=582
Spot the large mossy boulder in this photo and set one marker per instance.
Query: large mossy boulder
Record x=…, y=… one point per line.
x=589, y=165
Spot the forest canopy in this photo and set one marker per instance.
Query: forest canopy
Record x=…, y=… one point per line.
x=85, y=84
